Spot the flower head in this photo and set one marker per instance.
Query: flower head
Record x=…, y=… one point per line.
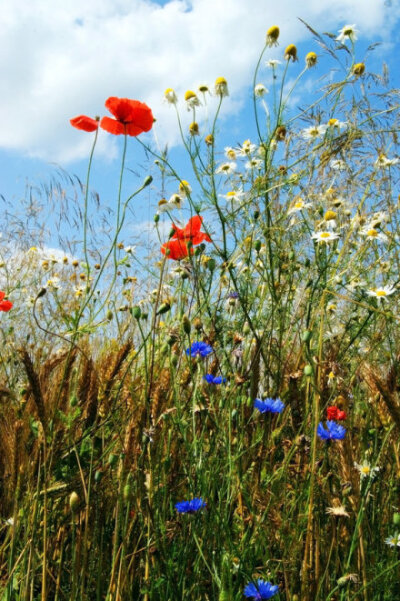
x=85, y=123
x=348, y=32
x=260, y=90
x=299, y=205
x=394, y=540
x=324, y=236
x=5, y=305
x=313, y=132
x=210, y=379
x=260, y=590
x=191, y=231
x=269, y=405
x=221, y=87
x=177, y=249
x=194, y=128
x=333, y=431
x=365, y=469
x=191, y=100
x=191, y=506
x=272, y=36
x=199, y=349
x=358, y=69
x=334, y=413
x=311, y=60
x=170, y=96
x=131, y=117
x=381, y=293
x=226, y=168
x=291, y=53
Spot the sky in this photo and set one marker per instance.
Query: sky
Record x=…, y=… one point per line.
x=63, y=59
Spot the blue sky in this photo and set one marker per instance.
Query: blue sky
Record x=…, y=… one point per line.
x=67, y=59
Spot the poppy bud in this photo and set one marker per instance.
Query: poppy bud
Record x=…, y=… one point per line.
x=306, y=335
x=308, y=370
x=112, y=459
x=186, y=324
x=156, y=218
x=98, y=475
x=136, y=312
x=257, y=245
x=396, y=519
x=211, y=264
x=74, y=502
x=147, y=181
x=41, y=293
x=164, y=308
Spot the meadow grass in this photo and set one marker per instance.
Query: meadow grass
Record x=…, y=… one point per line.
x=125, y=473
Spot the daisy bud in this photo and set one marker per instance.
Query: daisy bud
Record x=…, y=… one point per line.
x=74, y=502
x=209, y=140
x=272, y=36
x=221, y=87
x=358, y=69
x=291, y=53
x=311, y=60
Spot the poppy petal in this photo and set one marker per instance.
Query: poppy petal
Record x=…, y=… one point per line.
x=5, y=305
x=133, y=130
x=84, y=123
x=131, y=111
x=112, y=126
x=178, y=249
x=193, y=226
x=2, y=295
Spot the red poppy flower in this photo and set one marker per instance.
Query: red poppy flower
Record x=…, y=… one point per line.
x=334, y=413
x=5, y=305
x=85, y=123
x=191, y=231
x=178, y=249
x=131, y=117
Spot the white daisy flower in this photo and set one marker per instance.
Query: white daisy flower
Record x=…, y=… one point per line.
x=336, y=124
x=383, y=161
x=299, y=205
x=260, y=90
x=337, y=165
x=365, y=469
x=272, y=63
x=130, y=249
x=254, y=164
x=234, y=196
x=381, y=293
x=393, y=541
x=175, y=202
x=226, y=168
x=371, y=233
x=313, y=132
x=378, y=218
x=324, y=236
x=230, y=153
x=246, y=148
x=348, y=32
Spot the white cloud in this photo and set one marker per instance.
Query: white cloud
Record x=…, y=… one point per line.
x=61, y=59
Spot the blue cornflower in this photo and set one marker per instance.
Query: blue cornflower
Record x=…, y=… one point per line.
x=261, y=590
x=214, y=379
x=190, y=506
x=334, y=431
x=269, y=405
x=233, y=294
x=199, y=349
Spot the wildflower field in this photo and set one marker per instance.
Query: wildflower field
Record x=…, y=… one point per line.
x=215, y=417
